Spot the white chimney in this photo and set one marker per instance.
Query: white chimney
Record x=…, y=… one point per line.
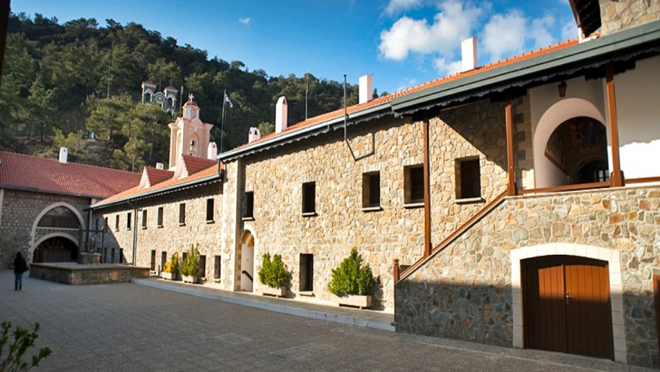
x=254, y=134
x=281, y=115
x=469, y=52
x=366, y=88
x=212, y=152
x=63, y=155
x=159, y=166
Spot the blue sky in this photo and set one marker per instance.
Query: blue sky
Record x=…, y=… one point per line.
x=403, y=42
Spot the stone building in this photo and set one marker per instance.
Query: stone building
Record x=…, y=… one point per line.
x=44, y=206
x=513, y=204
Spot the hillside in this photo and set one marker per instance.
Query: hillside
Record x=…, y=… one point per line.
x=65, y=83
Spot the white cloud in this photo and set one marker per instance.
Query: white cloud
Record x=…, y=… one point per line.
x=451, y=25
x=244, y=21
x=447, y=68
x=539, y=31
x=569, y=30
x=406, y=83
x=396, y=6
x=504, y=34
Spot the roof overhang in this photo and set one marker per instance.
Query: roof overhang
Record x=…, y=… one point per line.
x=587, y=15
x=34, y=189
x=311, y=131
x=217, y=177
x=621, y=46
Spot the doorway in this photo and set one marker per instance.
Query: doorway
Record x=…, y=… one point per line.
x=247, y=263
x=306, y=272
x=566, y=305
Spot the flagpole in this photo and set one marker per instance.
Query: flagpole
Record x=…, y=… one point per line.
x=222, y=124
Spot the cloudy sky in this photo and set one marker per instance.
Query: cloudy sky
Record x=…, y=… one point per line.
x=403, y=42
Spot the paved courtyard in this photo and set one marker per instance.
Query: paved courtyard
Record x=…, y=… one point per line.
x=131, y=327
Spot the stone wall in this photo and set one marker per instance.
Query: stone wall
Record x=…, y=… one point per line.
x=74, y=274
x=171, y=236
x=465, y=291
x=20, y=210
x=623, y=14
x=396, y=229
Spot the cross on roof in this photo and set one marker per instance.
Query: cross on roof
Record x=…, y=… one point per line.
x=190, y=97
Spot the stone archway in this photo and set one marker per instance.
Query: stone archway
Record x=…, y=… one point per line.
x=246, y=269
x=46, y=227
x=56, y=247
x=545, y=171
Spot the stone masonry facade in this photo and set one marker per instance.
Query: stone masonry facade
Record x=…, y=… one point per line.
x=465, y=291
x=20, y=210
x=394, y=230
x=619, y=15
x=171, y=236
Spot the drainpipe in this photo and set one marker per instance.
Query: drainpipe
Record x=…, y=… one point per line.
x=345, y=109
x=427, y=191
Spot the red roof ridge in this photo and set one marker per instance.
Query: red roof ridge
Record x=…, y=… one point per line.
x=69, y=162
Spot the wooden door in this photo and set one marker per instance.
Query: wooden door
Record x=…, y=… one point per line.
x=566, y=306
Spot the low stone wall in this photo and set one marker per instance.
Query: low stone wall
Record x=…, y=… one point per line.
x=74, y=274
x=466, y=290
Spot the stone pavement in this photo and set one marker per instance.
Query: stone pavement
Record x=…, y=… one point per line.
x=131, y=327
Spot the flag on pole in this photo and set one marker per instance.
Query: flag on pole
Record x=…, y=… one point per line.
x=228, y=100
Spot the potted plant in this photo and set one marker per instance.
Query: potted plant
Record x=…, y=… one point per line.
x=171, y=268
x=351, y=282
x=190, y=265
x=273, y=276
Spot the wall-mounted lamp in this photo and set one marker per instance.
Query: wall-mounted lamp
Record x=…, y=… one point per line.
x=562, y=89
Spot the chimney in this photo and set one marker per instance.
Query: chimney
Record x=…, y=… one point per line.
x=63, y=155
x=280, y=115
x=159, y=166
x=254, y=134
x=469, y=51
x=366, y=88
x=212, y=152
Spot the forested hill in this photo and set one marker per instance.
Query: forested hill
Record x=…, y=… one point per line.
x=63, y=82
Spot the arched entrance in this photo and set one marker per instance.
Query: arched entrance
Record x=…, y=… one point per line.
x=56, y=249
x=578, y=149
x=568, y=137
x=247, y=261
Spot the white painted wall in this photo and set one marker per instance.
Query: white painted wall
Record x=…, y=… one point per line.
x=548, y=111
x=638, y=111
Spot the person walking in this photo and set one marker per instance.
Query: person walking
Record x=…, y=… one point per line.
x=20, y=266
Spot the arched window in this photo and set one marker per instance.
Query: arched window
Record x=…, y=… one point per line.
x=59, y=217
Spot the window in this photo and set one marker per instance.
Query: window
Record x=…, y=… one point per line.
x=306, y=272
x=117, y=223
x=209, y=210
x=144, y=218
x=160, y=216
x=163, y=260
x=217, y=267
x=121, y=255
x=371, y=190
x=128, y=221
x=468, y=178
x=106, y=223
x=182, y=214
x=59, y=217
x=249, y=205
x=96, y=224
x=414, y=184
x=202, y=266
x=308, y=198
x=152, y=267
x=112, y=255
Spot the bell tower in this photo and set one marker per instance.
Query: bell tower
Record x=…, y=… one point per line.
x=188, y=135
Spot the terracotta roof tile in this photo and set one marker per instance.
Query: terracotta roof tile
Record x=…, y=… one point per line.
x=136, y=191
x=157, y=176
x=195, y=164
x=49, y=175
x=385, y=99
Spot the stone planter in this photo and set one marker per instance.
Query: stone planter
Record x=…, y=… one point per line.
x=168, y=276
x=362, y=302
x=277, y=291
x=189, y=278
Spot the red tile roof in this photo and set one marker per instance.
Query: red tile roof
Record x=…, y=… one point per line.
x=157, y=176
x=385, y=99
x=51, y=176
x=195, y=164
x=210, y=170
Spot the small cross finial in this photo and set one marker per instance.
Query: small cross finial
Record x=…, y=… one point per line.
x=191, y=97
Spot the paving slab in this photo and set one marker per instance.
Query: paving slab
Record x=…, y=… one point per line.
x=131, y=327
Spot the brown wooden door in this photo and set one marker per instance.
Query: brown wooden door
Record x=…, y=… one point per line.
x=566, y=306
